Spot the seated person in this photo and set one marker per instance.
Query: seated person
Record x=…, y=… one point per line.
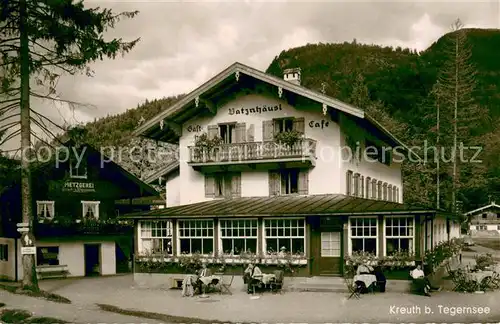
x=423, y=284
x=364, y=269
x=381, y=280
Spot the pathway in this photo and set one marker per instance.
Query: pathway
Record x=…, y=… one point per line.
x=288, y=307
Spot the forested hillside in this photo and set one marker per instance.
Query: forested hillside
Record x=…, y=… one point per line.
x=397, y=84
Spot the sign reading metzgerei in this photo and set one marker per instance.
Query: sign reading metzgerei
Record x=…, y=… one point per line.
x=79, y=187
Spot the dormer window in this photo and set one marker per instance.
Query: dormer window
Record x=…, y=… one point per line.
x=45, y=210
x=90, y=210
x=378, y=152
x=78, y=170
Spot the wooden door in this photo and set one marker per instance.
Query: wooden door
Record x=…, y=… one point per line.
x=330, y=250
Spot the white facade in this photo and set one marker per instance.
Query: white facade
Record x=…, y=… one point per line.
x=172, y=188
x=328, y=176
x=7, y=258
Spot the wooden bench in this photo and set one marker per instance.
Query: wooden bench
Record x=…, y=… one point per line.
x=177, y=282
x=52, y=271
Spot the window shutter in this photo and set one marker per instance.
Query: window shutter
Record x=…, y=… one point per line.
x=240, y=132
x=303, y=182
x=348, y=183
x=362, y=191
x=209, y=186
x=236, y=185
x=213, y=131
x=251, y=133
x=274, y=183
x=228, y=185
x=267, y=130
x=299, y=125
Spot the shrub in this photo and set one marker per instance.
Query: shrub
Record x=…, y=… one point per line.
x=483, y=261
x=14, y=316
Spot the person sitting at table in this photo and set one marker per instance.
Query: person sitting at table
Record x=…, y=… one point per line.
x=254, y=278
x=381, y=280
x=423, y=285
x=364, y=269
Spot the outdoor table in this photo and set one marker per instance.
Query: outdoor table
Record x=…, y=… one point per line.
x=480, y=275
x=209, y=279
x=367, y=279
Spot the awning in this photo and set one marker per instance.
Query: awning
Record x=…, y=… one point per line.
x=290, y=205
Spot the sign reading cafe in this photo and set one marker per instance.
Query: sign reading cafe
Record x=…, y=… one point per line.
x=255, y=110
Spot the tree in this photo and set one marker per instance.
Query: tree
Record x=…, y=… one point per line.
x=39, y=41
x=461, y=119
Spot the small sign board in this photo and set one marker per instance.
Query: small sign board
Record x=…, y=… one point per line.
x=23, y=229
x=23, y=224
x=28, y=250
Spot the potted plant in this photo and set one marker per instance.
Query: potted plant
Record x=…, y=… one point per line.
x=206, y=145
x=289, y=138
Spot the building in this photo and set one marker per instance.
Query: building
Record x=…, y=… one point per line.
x=76, y=230
x=486, y=218
x=263, y=168
x=169, y=174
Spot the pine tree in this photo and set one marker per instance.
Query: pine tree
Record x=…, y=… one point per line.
x=39, y=41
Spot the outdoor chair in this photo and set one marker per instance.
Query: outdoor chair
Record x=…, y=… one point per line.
x=353, y=288
x=449, y=270
x=225, y=285
x=459, y=279
x=495, y=280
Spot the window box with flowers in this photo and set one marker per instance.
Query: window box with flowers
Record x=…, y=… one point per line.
x=206, y=148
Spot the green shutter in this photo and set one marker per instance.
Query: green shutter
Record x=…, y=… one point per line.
x=303, y=182
x=213, y=131
x=274, y=183
x=299, y=125
x=267, y=131
x=236, y=185
x=240, y=133
x=209, y=186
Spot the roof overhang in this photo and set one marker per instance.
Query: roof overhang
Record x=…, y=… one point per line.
x=492, y=205
x=164, y=172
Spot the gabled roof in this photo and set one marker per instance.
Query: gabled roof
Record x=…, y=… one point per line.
x=235, y=71
x=492, y=205
x=164, y=172
x=293, y=205
x=144, y=187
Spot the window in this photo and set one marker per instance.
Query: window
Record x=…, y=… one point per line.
x=284, y=233
x=156, y=237
x=481, y=228
x=356, y=185
x=196, y=236
x=47, y=255
x=362, y=186
x=45, y=209
x=283, y=125
x=330, y=244
x=374, y=188
x=397, y=194
x=363, y=232
x=389, y=193
x=385, y=192
x=288, y=181
x=78, y=169
x=379, y=190
x=90, y=209
x=219, y=185
x=227, y=132
x=368, y=187
x=349, y=179
x=395, y=197
x=498, y=215
x=4, y=252
x=484, y=215
x=398, y=234
x=238, y=236
x=498, y=227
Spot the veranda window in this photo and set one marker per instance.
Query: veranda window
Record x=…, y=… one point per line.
x=45, y=209
x=398, y=234
x=363, y=232
x=156, y=237
x=238, y=236
x=48, y=255
x=196, y=236
x=284, y=233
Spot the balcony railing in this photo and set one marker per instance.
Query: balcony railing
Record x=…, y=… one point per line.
x=83, y=227
x=253, y=151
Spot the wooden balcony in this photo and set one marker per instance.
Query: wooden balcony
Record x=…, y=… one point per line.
x=56, y=228
x=262, y=155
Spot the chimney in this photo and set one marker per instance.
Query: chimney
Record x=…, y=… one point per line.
x=292, y=75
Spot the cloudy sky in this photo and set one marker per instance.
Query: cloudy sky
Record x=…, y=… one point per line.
x=185, y=43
